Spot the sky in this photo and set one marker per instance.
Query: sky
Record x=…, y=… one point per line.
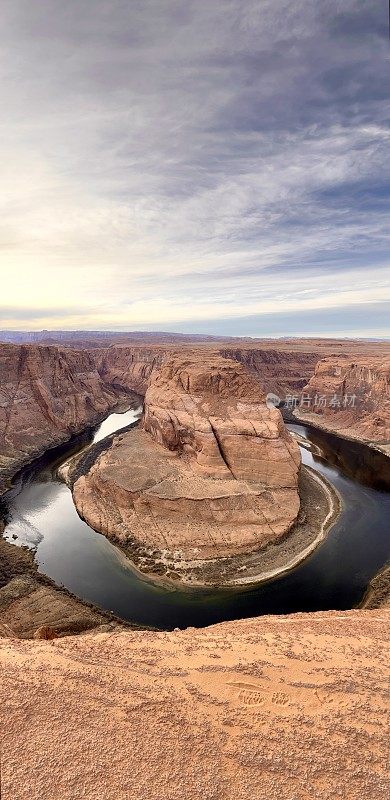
x=214, y=167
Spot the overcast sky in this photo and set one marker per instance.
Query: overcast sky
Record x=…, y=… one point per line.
x=217, y=166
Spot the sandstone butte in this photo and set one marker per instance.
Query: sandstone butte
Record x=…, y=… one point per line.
x=212, y=473
x=273, y=708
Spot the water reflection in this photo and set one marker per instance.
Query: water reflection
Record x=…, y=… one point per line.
x=115, y=422
x=360, y=462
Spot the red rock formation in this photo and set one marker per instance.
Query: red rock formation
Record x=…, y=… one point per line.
x=214, y=413
x=357, y=397
x=46, y=395
x=49, y=393
x=214, y=472
x=129, y=368
x=278, y=370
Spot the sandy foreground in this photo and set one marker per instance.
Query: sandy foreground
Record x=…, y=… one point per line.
x=273, y=707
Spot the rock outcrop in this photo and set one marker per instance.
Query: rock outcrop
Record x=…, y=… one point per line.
x=213, y=413
x=356, y=397
x=47, y=394
x=273, y=708
x=213, y=473
x=32, y=608
x=378, y=590
x=31, y=605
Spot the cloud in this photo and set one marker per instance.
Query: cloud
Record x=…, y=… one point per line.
x=186, y=161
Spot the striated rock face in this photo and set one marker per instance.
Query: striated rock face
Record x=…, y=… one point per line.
x=214, y=414
x=273, y=708
x=362, y=389
x=279, y=371
x=129, y=368
x=213, y=472
x=46, y=395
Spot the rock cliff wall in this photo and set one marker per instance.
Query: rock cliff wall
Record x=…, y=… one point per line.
x=128, y=368
x=46, y=395
x=277, y=371
x=356, y=397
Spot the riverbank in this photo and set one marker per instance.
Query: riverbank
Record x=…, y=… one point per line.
x=79, y=463
x=358, y=460
x=32, y=605
x=309, y=418
x=12, y=469
x=320, y=507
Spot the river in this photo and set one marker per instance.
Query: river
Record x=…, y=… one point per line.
x=42, y=516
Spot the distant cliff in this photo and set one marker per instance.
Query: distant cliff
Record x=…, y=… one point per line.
x=278, y=371
x=356, y=397
x=127, y=367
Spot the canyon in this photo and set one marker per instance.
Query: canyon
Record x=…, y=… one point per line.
x=360, y=391
x=49, y=392
x=268, y=707
x=46, y=396
x=209, y=449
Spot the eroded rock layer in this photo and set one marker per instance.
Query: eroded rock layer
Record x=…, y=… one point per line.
x=31, y=608
x=355, y=397
x=129, y=368
x=277, y=370
x=214, y=414
x=46, y=395
x=212, y=473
